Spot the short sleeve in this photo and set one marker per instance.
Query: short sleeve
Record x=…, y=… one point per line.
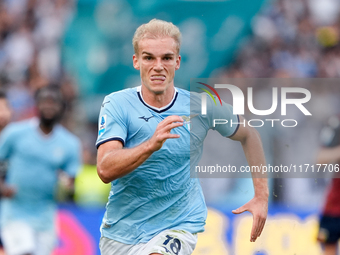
x=73, y=160
x=111, y=122
x=221, y=117
x=7, y=139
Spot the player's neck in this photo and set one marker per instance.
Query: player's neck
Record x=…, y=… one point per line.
x=158, y=100
x=46, y=129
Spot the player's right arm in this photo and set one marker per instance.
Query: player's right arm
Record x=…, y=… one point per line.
x=115, y=161
x=328, y=155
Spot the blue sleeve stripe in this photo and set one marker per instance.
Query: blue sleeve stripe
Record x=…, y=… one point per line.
x=110, y=139
x=238, y=125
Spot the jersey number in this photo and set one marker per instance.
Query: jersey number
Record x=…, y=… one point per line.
x=175, y=245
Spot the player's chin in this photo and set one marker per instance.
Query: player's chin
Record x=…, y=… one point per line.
x=49, y=120
x=158, y=88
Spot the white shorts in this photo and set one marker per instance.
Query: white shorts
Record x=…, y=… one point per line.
x=20, y=238
x=168, y=242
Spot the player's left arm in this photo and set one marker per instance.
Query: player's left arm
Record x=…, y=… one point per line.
x=258, y=206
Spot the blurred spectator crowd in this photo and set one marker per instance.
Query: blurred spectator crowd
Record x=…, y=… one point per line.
x=30, y=50
x=292, y=38
x=31, y=41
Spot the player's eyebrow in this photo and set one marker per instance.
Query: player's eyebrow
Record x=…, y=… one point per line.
x=147, y=53
x=169, y=54
x=166, y=54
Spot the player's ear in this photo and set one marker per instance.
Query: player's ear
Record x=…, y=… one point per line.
x=178, y=62
x=135, y=62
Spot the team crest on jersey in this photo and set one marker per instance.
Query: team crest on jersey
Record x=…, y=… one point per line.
x=187, y=120
x=102, y=125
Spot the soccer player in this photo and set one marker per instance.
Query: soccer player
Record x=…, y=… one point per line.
x=143, y=146
x=36, y=149
x=329, y=232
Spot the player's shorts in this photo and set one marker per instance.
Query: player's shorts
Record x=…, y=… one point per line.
x=329, y=232
x=20, y=238
x=168, y=242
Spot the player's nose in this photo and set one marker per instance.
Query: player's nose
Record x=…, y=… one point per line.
x=158, y=65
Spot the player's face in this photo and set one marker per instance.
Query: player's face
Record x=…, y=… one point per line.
x=5, y=113
x=49, y=109
x=157, y=60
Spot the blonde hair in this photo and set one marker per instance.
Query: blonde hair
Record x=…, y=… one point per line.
x=157, y=29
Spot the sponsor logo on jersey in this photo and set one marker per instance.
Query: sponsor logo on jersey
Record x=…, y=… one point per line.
x=145, y=118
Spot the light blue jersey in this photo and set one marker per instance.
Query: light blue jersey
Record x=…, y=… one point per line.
x=159, y=194
x=33, y=163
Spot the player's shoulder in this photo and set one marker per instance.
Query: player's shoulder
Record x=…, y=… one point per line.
x=120, y=101
x=192, y=95
x=121, y=95
x=183, y=97
x=195, y=96
x=18, y=127
x=183, y=92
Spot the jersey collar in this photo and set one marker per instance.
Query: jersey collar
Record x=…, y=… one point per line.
x=158, y=110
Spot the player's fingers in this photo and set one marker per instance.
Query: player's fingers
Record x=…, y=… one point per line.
x=253, y=230
x=262, y=226
x=167, y=121
x=170, y=126
x=240, y=210
x=262, y=222
x=259, y=222
x=258, y=227
x=171, y=136
x=170, y=119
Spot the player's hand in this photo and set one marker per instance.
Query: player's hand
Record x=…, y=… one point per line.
x=7, y=191
x=162, y=132
x=258, y=208
x=66, y=182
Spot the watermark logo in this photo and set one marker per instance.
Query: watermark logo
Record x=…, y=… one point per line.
x=239, y=103
x=204, y=97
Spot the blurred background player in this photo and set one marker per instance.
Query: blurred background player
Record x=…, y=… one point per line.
x=5, y=118
x=36, y=149
x=329, y=232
